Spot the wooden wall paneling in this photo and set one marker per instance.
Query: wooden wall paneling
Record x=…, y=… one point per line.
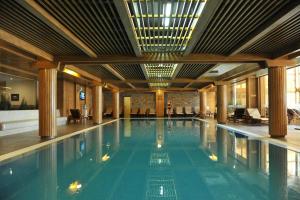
x=89, y=100
x=60, y=96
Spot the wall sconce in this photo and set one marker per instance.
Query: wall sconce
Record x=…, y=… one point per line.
x=105, y=85
x=71, y=72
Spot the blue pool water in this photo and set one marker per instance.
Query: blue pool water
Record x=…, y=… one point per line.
x=154, y=159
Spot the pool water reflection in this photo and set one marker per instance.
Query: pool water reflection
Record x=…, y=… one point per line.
x=154, y=159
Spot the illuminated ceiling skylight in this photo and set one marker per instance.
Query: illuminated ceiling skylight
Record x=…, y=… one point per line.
x=161, y=71
x=164, y=26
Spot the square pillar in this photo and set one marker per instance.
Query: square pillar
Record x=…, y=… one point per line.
x=203, y=103
x=97, y=104
x=222, y=103
x=277, y=101
x=116, y=104
x=47, y=102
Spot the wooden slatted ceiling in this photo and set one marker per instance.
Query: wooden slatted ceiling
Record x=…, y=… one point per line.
x=234, y=21
x=282, y=36
x=96, y=23
x=99, y=71
x=129, y=71
x=17, y=20
x=193, y=70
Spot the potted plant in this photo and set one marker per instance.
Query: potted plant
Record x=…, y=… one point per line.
x=4, y=103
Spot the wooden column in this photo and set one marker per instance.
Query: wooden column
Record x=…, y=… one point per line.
x=47, y=173
x=277, y=101
x=203, y=135
x=97, y=104
x=203, y=103
x=116, y=104
x=251, y=92
x=222, y=103
x=222, y=144
x=160, y=103
x=278, y=162
x=47, y=102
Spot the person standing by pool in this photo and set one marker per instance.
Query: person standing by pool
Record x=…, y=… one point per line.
x=169, y=106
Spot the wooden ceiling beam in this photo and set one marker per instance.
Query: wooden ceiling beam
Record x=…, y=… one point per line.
x=43, y=15
x=168, y=58
x=16, y=51
x=17, y=71
x=114, y=72
x=25, y=46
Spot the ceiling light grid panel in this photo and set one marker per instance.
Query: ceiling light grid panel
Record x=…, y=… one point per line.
x=164, y=26
x=160, y=72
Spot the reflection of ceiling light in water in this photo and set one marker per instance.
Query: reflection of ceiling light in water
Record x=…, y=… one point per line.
x=10, y=171
x=213, y=157
x=158, y=146
x=161, y=190
x=105, y=157
x=75, y=186
x=159, y=159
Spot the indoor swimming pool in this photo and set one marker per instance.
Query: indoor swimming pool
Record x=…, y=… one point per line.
x=154, y=159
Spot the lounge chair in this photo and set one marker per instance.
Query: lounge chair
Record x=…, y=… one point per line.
x=239, y=115
x=179, y=111
x=142, y=112
x=134, y=112
x=75, y=116
x=293, y=116
x=188, y=111
x=121, y=112
x=196, y=110
x=253, y=116
x=108, y=112
x=151, y=112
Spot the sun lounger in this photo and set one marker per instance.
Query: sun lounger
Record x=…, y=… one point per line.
x=253, y=116
x=179, y=111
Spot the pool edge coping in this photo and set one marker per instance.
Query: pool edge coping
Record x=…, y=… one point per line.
x=25, y=150
x=270, y=140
